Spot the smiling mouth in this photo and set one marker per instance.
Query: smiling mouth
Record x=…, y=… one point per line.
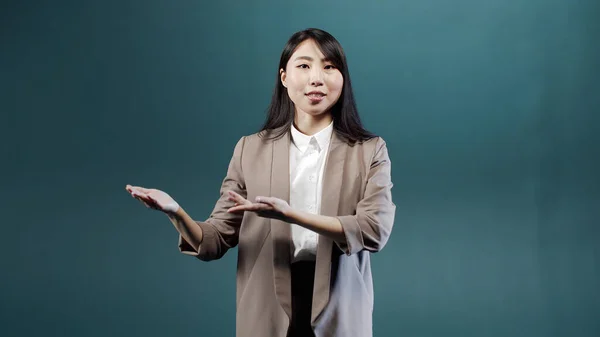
x=315, y=95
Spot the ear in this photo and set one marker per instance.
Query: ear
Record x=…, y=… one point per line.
x=282, y=75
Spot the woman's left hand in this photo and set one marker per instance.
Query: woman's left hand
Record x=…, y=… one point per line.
x=266, y=207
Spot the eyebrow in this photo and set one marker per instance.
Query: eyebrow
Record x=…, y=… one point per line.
x=308, y=58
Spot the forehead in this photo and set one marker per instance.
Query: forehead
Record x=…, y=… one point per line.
x=308, y=48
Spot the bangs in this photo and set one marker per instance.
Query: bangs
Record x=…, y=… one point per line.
x=332, y=52
x=329, y=46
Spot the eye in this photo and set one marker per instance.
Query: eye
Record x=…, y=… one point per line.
x=303, y=66
x=330, y=66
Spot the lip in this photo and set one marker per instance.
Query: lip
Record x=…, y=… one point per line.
x=320, y=93
x=316, y=96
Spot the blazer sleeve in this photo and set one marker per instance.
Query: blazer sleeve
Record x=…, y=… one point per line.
x=220, y=231
x=371, y=225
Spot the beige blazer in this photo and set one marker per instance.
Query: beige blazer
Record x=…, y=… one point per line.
x=356, y=189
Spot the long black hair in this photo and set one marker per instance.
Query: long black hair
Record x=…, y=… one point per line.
x=280, y=114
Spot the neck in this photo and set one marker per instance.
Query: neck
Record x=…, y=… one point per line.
x=310, y=124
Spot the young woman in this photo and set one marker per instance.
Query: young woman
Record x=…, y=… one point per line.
x=306, y=200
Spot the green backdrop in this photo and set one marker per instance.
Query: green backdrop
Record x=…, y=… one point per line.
x=489, y=108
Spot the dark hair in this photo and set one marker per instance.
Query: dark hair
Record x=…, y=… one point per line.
x=280, y=114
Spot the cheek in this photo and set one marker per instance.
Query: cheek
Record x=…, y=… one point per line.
x=295, y=80
x=336, y=83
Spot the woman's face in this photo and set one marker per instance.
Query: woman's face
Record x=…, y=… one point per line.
x=313, y=83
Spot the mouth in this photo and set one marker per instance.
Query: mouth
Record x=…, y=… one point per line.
x=316, y=96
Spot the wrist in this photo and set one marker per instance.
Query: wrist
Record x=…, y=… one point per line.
x=297, y=217
x=291, y=215
x=177, y=212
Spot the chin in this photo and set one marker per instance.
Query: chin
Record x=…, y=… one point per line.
x=315, y=110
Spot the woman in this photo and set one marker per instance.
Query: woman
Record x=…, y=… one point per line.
x=306, y=200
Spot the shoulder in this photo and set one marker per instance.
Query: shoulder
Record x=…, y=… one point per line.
x=255, y=143
x=369, y=152
x=372, y=145
x=257, y=139
x=262, y=138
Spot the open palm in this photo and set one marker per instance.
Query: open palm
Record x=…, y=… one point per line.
x=153, y=198
x=267, y=207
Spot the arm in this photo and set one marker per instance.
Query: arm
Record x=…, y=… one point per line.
x=321, y=224
x=212, y=238
x=371, y=225
x=189, y=230
x=368, y=229
x=279, y=209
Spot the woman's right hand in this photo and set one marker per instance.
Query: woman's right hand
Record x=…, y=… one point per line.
x=153, y=198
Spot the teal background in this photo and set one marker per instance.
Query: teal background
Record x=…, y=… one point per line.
x=489, y=108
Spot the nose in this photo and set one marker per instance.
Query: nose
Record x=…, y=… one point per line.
x=316, y=77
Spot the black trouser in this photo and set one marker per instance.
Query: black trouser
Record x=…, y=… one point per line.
x=303, y=276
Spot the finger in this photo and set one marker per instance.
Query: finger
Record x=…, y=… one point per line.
x=234, y=193
x=146, y=199
x=250, y=207
x=260, y=207
x=139, y=194
x=139, y=197
x=140, y=189
x=240, y=208
x=266, y=200
x=234, y=209
x=149, y=203
x=153, y=202
x=132, y=189
x=143, y=202
x=233, y=196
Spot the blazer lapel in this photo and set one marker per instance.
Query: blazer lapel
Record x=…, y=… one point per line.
x=332, y=184
x=281, y=231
